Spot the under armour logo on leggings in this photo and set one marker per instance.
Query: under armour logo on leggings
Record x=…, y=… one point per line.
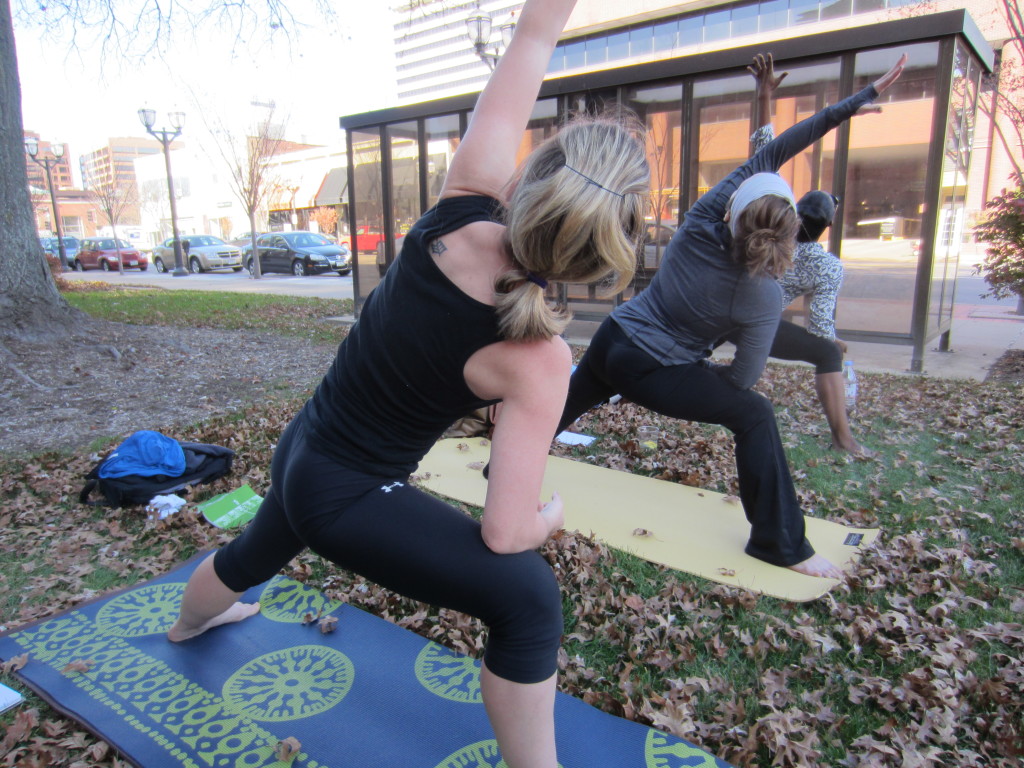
x=389, y=488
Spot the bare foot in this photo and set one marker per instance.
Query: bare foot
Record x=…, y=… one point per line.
x=816, y=565
x=236, y=612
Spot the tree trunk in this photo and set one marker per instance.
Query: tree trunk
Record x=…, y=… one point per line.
x=30, y=305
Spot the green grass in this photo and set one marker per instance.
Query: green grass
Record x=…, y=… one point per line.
x=287, y=315
x=926, y=633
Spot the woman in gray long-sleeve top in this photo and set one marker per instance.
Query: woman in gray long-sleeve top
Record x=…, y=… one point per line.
x=718, y=279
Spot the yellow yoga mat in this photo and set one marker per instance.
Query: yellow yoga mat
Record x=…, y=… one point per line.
x=689, y=529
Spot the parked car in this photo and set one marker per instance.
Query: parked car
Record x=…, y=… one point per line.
x=367, y=239
x=299, y=253
x=102, y=253
x=71, y=246
x=205, y=252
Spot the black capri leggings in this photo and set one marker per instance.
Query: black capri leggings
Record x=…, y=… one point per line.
x=405, y=540
x=794, y=342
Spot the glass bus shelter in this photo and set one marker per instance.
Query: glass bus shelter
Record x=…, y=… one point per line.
x=900, y=172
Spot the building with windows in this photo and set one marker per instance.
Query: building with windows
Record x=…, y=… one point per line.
x=113, y=166
x=903, y=175
x=60, y=171
x=433, y=57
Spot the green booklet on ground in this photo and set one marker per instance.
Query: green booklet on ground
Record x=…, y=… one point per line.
x=229, y=510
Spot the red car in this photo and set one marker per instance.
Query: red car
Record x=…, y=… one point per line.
x=102, y=253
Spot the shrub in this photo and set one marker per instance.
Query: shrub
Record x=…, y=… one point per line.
x=1003, y=229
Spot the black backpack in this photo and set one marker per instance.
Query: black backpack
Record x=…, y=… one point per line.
x=204, y=463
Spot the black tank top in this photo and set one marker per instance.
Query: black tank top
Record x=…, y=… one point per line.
x=397, y=381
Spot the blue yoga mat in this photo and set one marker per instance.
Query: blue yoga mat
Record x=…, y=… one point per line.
x=367, y=695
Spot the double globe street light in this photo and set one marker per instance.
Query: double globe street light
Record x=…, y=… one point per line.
x=478, y=28
x=57, y=150
x=165, y=137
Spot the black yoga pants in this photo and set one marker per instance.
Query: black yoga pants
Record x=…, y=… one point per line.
x=695, y=392
x=405, y=540
x=794, y=342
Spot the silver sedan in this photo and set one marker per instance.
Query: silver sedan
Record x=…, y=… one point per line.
x=200, y=253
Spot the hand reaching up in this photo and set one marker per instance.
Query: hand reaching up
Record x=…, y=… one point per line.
x=892, y=75
x=763, y=70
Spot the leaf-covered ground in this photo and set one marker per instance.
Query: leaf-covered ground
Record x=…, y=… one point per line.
x=917, y=661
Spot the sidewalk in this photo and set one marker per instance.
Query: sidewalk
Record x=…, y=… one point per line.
x=981, y=334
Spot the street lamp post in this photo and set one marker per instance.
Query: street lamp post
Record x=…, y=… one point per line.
x=57, y=150
x=165, y=137
x=478, y=29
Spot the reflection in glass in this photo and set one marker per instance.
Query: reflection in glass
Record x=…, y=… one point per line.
x=405, y=178
x=442, y=134
x=884, y=201
x=660, y=108
x=950, y=227
x=368, y=203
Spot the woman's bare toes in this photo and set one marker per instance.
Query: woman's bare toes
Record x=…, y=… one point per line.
x=237, y=612
x=818, y=566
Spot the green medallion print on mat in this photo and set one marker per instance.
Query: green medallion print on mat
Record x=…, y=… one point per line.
x=664, y=751
x=448, y=674
x=145, y=611
x=291, y=684
x=483, y=754
x=290, y=601
x=193, y=727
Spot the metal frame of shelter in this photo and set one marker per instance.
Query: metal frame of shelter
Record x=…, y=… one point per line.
x=962, y=57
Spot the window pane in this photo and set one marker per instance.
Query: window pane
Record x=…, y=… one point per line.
x=744, y=20
x=774, y=14
x=597, y=50
x=834, y=9
x=442, y=141
x=641, y=41
x=405, y=176
x=661, y=109
x=691, y=30
x=716, y=25
x=885, y=194
x=575, y=55
x=803, y=11
x=665, y=36
x=368, y=203
x=618, y=46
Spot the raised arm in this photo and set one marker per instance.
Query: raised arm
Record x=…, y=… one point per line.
x=791, y=142
x=763, y=70
x=486, y=158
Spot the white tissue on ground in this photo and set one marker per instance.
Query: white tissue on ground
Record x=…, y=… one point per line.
x=165, y=505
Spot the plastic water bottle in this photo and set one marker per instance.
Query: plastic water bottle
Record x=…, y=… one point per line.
x=850, y=381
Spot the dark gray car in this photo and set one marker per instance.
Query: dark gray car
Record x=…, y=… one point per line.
x=299, y=253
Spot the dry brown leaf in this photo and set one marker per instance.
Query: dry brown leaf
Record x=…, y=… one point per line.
x=78, y=665
x=726, y=572
x=462, y=447
x=477, y=465
x=328, y=624
x=642, y=533
x=14, y=663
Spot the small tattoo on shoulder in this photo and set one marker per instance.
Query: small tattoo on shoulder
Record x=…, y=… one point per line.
x=438, y=247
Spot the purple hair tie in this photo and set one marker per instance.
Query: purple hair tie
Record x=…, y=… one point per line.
x=537, y=280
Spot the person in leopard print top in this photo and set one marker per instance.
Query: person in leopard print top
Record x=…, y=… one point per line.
x=815, y=273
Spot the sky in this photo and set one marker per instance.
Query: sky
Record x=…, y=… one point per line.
x=77, y=91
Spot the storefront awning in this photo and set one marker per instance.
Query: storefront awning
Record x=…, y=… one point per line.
x=334, y=190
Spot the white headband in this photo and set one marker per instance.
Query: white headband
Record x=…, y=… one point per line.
x=758, y=185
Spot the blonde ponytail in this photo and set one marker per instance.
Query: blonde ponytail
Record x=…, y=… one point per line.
x=575, y=215
x=523, y=310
